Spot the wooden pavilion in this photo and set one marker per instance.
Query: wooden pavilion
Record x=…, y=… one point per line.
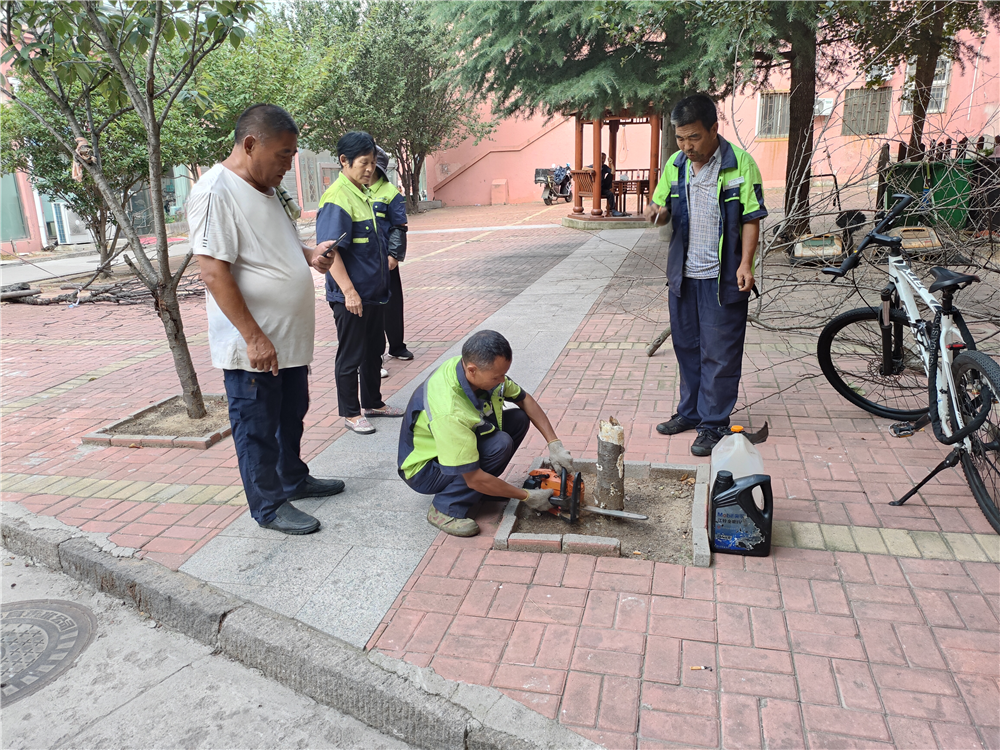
x=638, y=182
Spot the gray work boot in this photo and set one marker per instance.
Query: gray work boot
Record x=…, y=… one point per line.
x=453, y=526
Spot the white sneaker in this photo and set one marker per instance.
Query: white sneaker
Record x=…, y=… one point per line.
x=384, y=373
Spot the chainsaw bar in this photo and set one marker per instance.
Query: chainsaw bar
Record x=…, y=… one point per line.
x=614, y=513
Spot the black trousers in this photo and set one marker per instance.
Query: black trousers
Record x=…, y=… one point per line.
x=394, y=314
x=360, y=344
x=266, y=413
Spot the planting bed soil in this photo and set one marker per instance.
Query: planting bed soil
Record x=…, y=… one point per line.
x=665, y=537
x=170, y=418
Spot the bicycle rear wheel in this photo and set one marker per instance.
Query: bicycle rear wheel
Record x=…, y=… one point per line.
x=850, y=355
x=977, y=383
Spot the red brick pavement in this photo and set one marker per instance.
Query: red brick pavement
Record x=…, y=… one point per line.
x=806, y=648
x=453, y=281
x=826, y=648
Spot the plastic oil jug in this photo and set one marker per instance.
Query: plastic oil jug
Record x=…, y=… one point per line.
x=737, y=455
x=737, y=526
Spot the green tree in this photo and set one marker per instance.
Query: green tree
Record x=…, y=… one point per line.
x=138, y=57
x=28, y=146
x=388, y=78
x=270, y=66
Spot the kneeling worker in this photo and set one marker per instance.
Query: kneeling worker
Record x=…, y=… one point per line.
x=456, y=439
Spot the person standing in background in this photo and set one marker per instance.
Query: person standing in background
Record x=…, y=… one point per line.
x=390, y=218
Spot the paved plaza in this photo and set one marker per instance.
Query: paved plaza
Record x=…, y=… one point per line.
x=869, y=625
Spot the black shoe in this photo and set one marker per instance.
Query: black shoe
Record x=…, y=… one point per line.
x=703, y=444
x=403, y=353
x=290, y=520
x=675, y=425
x=313, y=487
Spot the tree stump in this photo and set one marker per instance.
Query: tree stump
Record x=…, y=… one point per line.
x=610, y=492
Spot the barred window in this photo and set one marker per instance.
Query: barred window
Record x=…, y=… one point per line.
x=866, y=111
x=772, y=120
x=939, y=88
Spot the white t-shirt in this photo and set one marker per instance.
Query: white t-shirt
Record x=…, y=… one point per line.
x=231, y=220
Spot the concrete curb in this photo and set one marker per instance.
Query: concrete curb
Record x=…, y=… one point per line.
x=701, y=553
x=399, y=699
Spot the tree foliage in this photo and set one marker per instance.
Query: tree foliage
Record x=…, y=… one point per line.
x=579, y=57
x=26, y=145
x=137, y=57
x=386, y=75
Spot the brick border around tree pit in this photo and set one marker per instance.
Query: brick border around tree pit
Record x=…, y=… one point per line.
x=601, y=546
x=101, y=436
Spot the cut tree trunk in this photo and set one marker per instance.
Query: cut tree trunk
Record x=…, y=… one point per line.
x=610, y=465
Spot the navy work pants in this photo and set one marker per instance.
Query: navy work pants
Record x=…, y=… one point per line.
x=708, y=342
x=452, y=496
x=394, y=314
x=360, y=344
x=266, y=413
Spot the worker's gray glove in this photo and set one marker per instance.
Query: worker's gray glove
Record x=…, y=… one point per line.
x=559, y=457
x=538, y=500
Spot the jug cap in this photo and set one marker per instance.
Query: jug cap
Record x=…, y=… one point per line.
x=736, y=428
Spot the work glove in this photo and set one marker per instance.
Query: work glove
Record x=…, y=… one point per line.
x=559, y=457
x=538, y=500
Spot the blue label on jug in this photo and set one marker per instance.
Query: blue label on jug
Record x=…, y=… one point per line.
x=734, y=530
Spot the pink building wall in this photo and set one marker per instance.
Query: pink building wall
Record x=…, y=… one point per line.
x=34, y=242
x=972, y=108
x=464, y=175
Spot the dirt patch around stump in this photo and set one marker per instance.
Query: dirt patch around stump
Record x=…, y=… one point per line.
x=170, y=419
x=665, y=537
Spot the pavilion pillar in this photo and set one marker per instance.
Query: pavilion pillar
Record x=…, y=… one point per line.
x=578, y=165
x=596, y=206
x=654, y=152
x=613, y=126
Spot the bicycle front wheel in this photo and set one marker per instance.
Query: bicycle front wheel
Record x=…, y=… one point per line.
x=850, y=356
x=977, y=385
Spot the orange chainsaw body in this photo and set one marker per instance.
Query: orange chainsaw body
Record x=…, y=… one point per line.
x=550, y=480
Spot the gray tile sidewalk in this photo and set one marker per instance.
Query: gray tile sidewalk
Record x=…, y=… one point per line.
x=345, y=578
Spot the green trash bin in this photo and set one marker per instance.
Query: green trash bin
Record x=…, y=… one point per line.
x=942, y=189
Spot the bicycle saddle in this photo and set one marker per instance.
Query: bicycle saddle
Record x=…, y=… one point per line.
x=946, y=278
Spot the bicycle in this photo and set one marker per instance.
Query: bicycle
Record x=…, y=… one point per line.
x=893, y=363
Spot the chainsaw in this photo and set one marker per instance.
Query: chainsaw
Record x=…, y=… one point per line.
x=566, y=502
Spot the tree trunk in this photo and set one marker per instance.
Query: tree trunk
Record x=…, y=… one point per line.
x=169, y=310
x=610, y=492
x=929, y=47
x=165, y=295
x=801, y=101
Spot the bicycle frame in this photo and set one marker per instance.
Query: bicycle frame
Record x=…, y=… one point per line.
x=903, y=291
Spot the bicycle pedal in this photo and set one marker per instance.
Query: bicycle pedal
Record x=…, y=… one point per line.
x=902, y=429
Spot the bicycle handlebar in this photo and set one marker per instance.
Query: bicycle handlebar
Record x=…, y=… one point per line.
x=876, y=236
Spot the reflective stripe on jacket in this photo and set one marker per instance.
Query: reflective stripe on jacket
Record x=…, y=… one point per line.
x=741, y=199
x=346, y=209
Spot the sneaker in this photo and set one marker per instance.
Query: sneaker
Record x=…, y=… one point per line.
x=360, y=425
x=385, y=411
x=403, y=353
x=703, y=444
x=383, y=373
x=676, y=424
x=453, y=526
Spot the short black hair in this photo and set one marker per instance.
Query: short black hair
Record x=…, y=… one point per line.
x=694, y=108
x=263, y=120
x=354, y=144
x=483, y=347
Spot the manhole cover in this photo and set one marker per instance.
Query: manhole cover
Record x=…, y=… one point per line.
x=40, y=640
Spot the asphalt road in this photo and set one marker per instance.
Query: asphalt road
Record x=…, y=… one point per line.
x=140, y=685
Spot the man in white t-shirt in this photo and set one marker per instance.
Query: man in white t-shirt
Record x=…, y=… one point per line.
x=261, y=313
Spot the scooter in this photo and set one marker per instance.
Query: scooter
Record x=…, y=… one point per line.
x=558, y=184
